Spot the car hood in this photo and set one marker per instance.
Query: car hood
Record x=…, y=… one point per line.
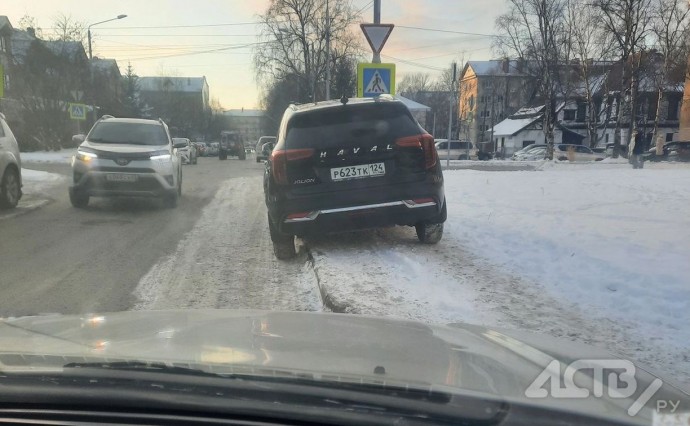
x=121, y=148
x=340, y=347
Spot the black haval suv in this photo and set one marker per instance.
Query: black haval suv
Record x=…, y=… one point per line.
x=352, y=164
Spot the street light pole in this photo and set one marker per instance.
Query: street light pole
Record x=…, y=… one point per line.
x=328, y=53
x=88, y=30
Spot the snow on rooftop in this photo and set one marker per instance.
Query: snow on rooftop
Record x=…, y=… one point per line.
x=511, y=126
x=177, y=84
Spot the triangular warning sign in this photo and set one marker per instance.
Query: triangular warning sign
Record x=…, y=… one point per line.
x=377, y=35
x=376, y=84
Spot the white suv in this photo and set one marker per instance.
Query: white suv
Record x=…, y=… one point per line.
x=459, y=150
x=10, y=167
x=126, y=157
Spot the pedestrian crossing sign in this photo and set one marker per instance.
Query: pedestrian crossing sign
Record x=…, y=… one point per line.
x=77, y=111
x=375, y=79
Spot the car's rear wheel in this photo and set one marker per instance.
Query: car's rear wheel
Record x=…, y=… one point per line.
x=78, y=200
x=258, y=160
x=9, y=189
x=243, y=154
x=222, y=155
x=283, y=244
x=429, y=233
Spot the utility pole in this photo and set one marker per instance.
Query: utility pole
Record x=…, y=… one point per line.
x=328, y=53
x=377, y=20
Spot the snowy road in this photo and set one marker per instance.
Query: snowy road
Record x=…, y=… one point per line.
x=591, y=253
x=226, y=261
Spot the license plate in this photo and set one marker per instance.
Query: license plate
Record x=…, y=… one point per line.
x=121, y=177
x=359, y=171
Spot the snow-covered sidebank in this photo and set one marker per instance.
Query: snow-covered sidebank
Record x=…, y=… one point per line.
x=56, y=157
x=35, y=181
x=594, y=253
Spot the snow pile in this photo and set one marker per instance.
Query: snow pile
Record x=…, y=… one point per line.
x=35, y=181
x=591, y=252
x=60, y=157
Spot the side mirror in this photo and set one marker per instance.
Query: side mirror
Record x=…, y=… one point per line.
x=78, y=139
x=179, y=144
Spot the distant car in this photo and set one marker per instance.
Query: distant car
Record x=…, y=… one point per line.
x=352, y=164
x=212, y=149
x=573, y=152
x=622, y=150
x=188, y=153
x=10, y=167
x=200, y=149
x=526, y=154
x=672, y=151
x=260, y=156
x=231, y=144
x=459, y=150
x=126, y=157
x=536, y=154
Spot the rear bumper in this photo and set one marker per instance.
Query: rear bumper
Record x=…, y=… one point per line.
x=360, y=209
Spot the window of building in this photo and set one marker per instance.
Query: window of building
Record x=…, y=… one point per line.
x=527, y=143
x=581, y=112
x=669, y=137
x=499, y=98
x=607, y=138
x=569, y=114
x=3, y=44
x=673, y=109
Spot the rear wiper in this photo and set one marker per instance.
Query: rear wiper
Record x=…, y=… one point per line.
x=140, y=366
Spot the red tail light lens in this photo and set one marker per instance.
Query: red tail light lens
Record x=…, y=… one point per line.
x=410, y=142
x=430, y=154
x=280, y=158
x=424, y=141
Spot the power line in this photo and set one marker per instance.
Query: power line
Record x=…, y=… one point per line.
x=446, y=31
x=415, y=64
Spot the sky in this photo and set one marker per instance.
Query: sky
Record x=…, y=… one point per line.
x=172, y=37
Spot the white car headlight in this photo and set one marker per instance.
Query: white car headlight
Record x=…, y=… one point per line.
x=160, y=156
x=85, y=156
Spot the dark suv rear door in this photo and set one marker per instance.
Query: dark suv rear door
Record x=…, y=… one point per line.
x=353, y=147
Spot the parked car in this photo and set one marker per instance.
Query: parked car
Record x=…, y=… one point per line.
x=622, y=150
x=10, y=167
x=352, y=164
x=260, y=155
x=126, y=157
x=459, y=150
x=573, y=152
x=231, y=144
x=535, y=153
x=672, y=151
x=525, y=153
x=188, y=153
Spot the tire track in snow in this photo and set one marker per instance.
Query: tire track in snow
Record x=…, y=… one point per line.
x=226, y=261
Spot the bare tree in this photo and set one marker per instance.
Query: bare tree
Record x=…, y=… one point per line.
x=28, y=21
x=628, y=23
x=590, y=47
x=535, y=31
x=670, y=28
x=415, y=82
x=68, y=29
x=293, y=39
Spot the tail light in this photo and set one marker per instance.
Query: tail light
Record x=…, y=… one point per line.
x=280, y=158
x=424, y=141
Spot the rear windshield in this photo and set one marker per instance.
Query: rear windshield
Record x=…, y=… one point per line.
x=128, y=133
x=334, y=127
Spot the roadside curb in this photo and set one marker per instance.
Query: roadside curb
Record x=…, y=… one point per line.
x=326, y=299
x=26, y=208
